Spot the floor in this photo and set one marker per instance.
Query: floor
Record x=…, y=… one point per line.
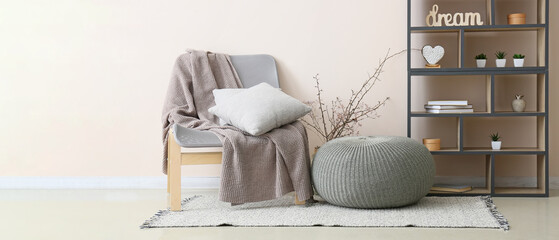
x=117, y=214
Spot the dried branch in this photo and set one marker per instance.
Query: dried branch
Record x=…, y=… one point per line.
x=339, y=119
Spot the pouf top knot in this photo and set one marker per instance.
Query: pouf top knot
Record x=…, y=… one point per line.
x=373, y=171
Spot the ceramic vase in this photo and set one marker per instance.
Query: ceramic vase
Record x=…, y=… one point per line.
x=481, y=63
x=500, y=62
x=315, y=151
x=519, y=62
x=518, y=104
x=496, y=145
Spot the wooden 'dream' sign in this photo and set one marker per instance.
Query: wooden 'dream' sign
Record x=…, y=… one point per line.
x=458, y=19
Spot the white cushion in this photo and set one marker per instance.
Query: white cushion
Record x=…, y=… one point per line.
x=221, y=95
x=258, y=109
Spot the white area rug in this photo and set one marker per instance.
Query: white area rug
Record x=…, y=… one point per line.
x=433, y=212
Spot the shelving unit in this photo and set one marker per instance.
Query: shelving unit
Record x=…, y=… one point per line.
x=458, y=67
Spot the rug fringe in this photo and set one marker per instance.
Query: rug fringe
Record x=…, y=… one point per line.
x=148, y=222
x=493, y=208
x=160, y=213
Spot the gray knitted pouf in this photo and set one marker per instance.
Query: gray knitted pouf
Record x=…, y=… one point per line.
x=373, y=172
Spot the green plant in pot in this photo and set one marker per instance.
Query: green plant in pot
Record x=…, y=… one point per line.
x=518, y=60
x=495, y=141
x=501, y=61
x=481, y=59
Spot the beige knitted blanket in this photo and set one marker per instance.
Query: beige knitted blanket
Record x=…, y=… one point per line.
x=254, y=168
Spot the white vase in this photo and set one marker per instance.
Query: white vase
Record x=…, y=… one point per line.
x=496, y=145
x=500, y=62
x=518, y=105
x=481, y=63
x=519, y=62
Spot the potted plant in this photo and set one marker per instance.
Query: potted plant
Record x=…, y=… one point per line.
x=518, y=60
x=481, y=59
x=500, y=61
x=495, y=141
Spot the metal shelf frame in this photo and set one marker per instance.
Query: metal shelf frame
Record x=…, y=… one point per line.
x=542, y=151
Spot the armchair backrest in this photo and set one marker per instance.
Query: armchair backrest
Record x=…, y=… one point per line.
x=255, y=69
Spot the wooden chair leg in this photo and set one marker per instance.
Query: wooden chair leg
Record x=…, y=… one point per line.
x=174, y=174
x=168, y=179
x=168, y=165
x=297, y=201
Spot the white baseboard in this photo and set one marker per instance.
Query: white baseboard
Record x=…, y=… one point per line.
x=103, y=182
x=209, y=182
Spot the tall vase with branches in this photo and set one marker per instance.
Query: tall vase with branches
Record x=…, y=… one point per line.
x=341, y=118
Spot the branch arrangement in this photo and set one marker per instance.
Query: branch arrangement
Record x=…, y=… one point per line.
x=339, y=119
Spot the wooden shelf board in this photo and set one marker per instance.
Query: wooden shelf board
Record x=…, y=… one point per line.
x=511, y=113
x=426, y=114
x=478, y=114
x=484, y=28
x=476, y=71
x=499, y=190
x=488, y=150
x=454, y=149
x=474, y=191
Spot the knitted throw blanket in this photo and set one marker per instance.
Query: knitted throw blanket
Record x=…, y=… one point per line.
x=255, y=168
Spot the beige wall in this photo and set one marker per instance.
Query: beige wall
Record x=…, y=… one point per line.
x=82, y=82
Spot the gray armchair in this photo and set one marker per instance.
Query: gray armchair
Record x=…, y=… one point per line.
x=191, y=147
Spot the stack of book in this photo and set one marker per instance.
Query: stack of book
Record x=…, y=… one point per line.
x=441, y=188
x=448, y=106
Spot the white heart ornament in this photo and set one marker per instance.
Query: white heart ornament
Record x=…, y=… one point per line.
x=432, y=54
